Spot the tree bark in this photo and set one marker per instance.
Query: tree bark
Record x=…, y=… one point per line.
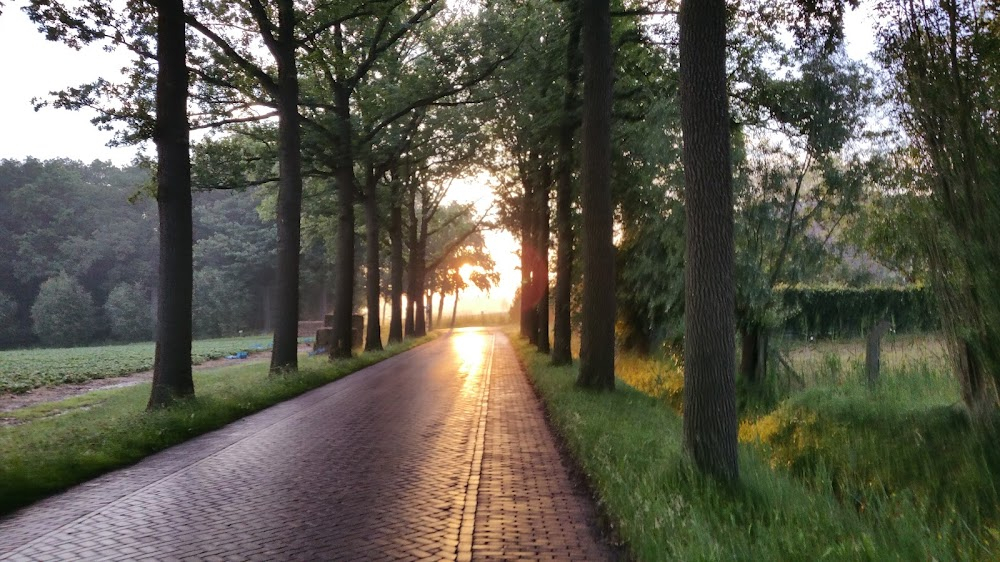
x=541, y=274
x=373, y=335
x=529, y=325
x=396, y=264
x=440, y=307
x=284, y=354
x=172, y=364
x=561, y=345
x=753, y=356
x=430, y=310
x=597, y=338
x=454, y=309
x=420, y=273
x=343, y=303
x=710, y=424
x=413, y=290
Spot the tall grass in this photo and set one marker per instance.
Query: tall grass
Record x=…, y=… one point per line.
x=629, y=445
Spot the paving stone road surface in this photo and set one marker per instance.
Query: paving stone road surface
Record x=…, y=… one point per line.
x=440, y=453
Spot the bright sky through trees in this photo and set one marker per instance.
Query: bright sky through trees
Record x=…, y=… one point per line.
x=36, y=66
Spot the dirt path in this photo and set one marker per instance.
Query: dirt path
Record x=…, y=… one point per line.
x=10, y=402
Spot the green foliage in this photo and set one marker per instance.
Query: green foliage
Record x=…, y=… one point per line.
x=651, y=282
x=848, y=311
x=946, y=70
x=8, y=317
x=105, y=430
x=129, y=312
x=31, y=368
x=221, y=307
x=64, y=312
x=904, y=447
x=64, y=216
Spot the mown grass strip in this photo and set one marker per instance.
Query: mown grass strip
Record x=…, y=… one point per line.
x=629, y=446
x=64, y=443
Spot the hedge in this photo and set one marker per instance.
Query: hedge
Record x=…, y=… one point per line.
x=850, y=312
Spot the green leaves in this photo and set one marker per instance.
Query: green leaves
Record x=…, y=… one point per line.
x=63, y=313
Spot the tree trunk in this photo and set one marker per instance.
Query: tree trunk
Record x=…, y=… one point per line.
x=412, y=285
x=561, y=345
x=541, y=275
x=753, y=356
x=284, y=354
x=373, y=335
x=420, y=322
x=710, y=424
x=430, y=310
x=454, y=309
x=343, y=303
x=597, y=338
x=396, y=264
x=528, y=314
x=440, y=307
x=172, y=363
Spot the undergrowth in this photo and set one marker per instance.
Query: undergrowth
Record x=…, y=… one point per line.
x=804, y=470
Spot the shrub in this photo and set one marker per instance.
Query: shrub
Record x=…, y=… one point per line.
x=849, y=312
x=8, y=317
x=129, y=312
x=221, y=304
x=63, y=314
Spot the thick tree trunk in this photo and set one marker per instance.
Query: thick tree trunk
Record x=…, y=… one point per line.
x=396, y=264
x=541, y=274
x=561, y=345
x=454, y=309
x=420, y=256
x=373, y=335
x=413, y=290
x=172, y=363
x=529, y=325
x=440, y=307
x=430, y=310
x=284, y=355
x=597, y=337
x=710, y=424
x=343, y=304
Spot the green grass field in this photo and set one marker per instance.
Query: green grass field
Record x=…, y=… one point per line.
x=22, y=370
x=834, y=471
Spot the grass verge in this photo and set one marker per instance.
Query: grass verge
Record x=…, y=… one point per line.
x=61, y=444
x=629, y=446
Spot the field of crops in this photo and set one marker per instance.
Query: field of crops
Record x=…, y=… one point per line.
x=22, y=370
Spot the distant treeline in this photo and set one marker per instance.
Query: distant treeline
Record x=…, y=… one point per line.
x=78, y=255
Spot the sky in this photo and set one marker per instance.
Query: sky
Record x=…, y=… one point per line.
x=33, y=67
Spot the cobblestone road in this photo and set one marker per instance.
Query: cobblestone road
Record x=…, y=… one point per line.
x=440, y=453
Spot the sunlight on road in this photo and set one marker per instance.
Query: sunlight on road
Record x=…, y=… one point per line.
x=470, y=347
